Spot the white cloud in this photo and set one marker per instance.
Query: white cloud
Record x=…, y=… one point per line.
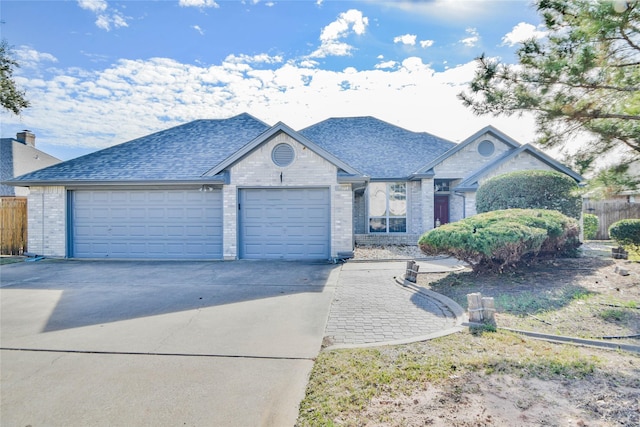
x=106, y=18
x=93, y=5
x=522, y=32
x=473, y=38
x=198, y=3
x=248, y=59
x=347, y=23
x=132, y=98
x=408, y=39
x=386, y=65
x=28, y=57
x=426, y=43
x=103, y=22
x=198, y=29
x=445, y=10
x=115, y=20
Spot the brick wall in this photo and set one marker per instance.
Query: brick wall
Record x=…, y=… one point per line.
x=307, y=170
x=360, y=212
x=468, y=160
x=523, y=161
x=386, y=239
x=47, y=216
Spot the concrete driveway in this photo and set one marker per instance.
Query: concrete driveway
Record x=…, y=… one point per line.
x=159, y=343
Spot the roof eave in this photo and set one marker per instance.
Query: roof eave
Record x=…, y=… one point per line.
x=352, y=179
x=424, y=175
x=210, y=180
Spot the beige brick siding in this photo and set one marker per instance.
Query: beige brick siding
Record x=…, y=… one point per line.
x=47, y=218
x=468, y=160
x=523, y=161
x=414, y=208
x=427, y=193
x=308, y=169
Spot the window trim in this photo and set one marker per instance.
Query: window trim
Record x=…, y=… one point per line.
x=387, y=217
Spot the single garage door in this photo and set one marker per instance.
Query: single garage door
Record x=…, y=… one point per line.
x=284, y=223
x=149, y=224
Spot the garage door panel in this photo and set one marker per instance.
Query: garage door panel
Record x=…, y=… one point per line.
x=162, y=224
x=284, y=223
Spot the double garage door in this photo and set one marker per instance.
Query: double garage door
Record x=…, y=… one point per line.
x=147, y=224
x=187, y=224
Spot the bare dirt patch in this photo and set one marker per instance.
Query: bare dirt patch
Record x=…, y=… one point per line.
x=583, y=297
x=482, y=378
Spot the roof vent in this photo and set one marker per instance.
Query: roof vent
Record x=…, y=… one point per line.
x=486, y=148
x=282, y=155
x=26, y=137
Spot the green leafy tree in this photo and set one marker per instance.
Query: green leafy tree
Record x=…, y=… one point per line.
x=582, y=79
x=11, y=98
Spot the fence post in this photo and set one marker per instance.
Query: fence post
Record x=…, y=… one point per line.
x=474, y=303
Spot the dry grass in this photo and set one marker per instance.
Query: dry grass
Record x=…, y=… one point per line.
x=455, y=380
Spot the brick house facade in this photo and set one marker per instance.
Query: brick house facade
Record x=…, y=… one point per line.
x=238, y=188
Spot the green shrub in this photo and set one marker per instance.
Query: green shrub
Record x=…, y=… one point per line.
x=499, y=239
x=532, y=189
x=590, y=223
x=626, y=232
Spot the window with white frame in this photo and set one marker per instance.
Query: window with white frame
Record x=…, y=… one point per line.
x=387, y=207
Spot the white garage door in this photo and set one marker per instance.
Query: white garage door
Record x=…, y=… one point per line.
x=150, y=224
x=284, y=223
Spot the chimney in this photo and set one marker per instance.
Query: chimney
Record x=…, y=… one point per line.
x=26, y=137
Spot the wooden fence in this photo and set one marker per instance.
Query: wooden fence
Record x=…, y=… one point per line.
x=610, y=211
x=13, y=225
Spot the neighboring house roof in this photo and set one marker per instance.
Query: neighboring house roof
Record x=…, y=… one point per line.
x=471, y=182
x=376, y=148
x=182, y=153
x=17, y=158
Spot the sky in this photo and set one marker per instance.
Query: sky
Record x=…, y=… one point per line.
x=102, y=72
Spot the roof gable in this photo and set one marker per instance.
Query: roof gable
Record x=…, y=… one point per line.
x=425, y=169
x=266, y=136
x=184, y=152
x=376, y=148
x=471, y=183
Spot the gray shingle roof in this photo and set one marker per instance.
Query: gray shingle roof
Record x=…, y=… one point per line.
x=377, y=148
x=180, y=153
x=187, y=152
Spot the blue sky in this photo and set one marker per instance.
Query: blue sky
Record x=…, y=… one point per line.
x=101, y=72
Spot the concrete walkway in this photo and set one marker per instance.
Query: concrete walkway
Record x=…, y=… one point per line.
x=372, y=307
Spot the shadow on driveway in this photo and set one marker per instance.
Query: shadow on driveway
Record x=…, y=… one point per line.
x=97, y=292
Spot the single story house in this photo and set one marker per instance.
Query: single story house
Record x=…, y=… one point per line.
x=238, y=188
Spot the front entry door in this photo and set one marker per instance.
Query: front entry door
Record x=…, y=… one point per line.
x=441, y=210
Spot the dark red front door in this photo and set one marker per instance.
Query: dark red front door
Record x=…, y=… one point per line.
x=441, y=210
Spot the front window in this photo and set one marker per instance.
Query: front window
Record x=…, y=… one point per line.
x=387, y=207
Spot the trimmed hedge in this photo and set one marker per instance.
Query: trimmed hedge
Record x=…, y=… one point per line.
x=531, y=189
x=590, y=223
x=500, y=239
x=626, y=232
